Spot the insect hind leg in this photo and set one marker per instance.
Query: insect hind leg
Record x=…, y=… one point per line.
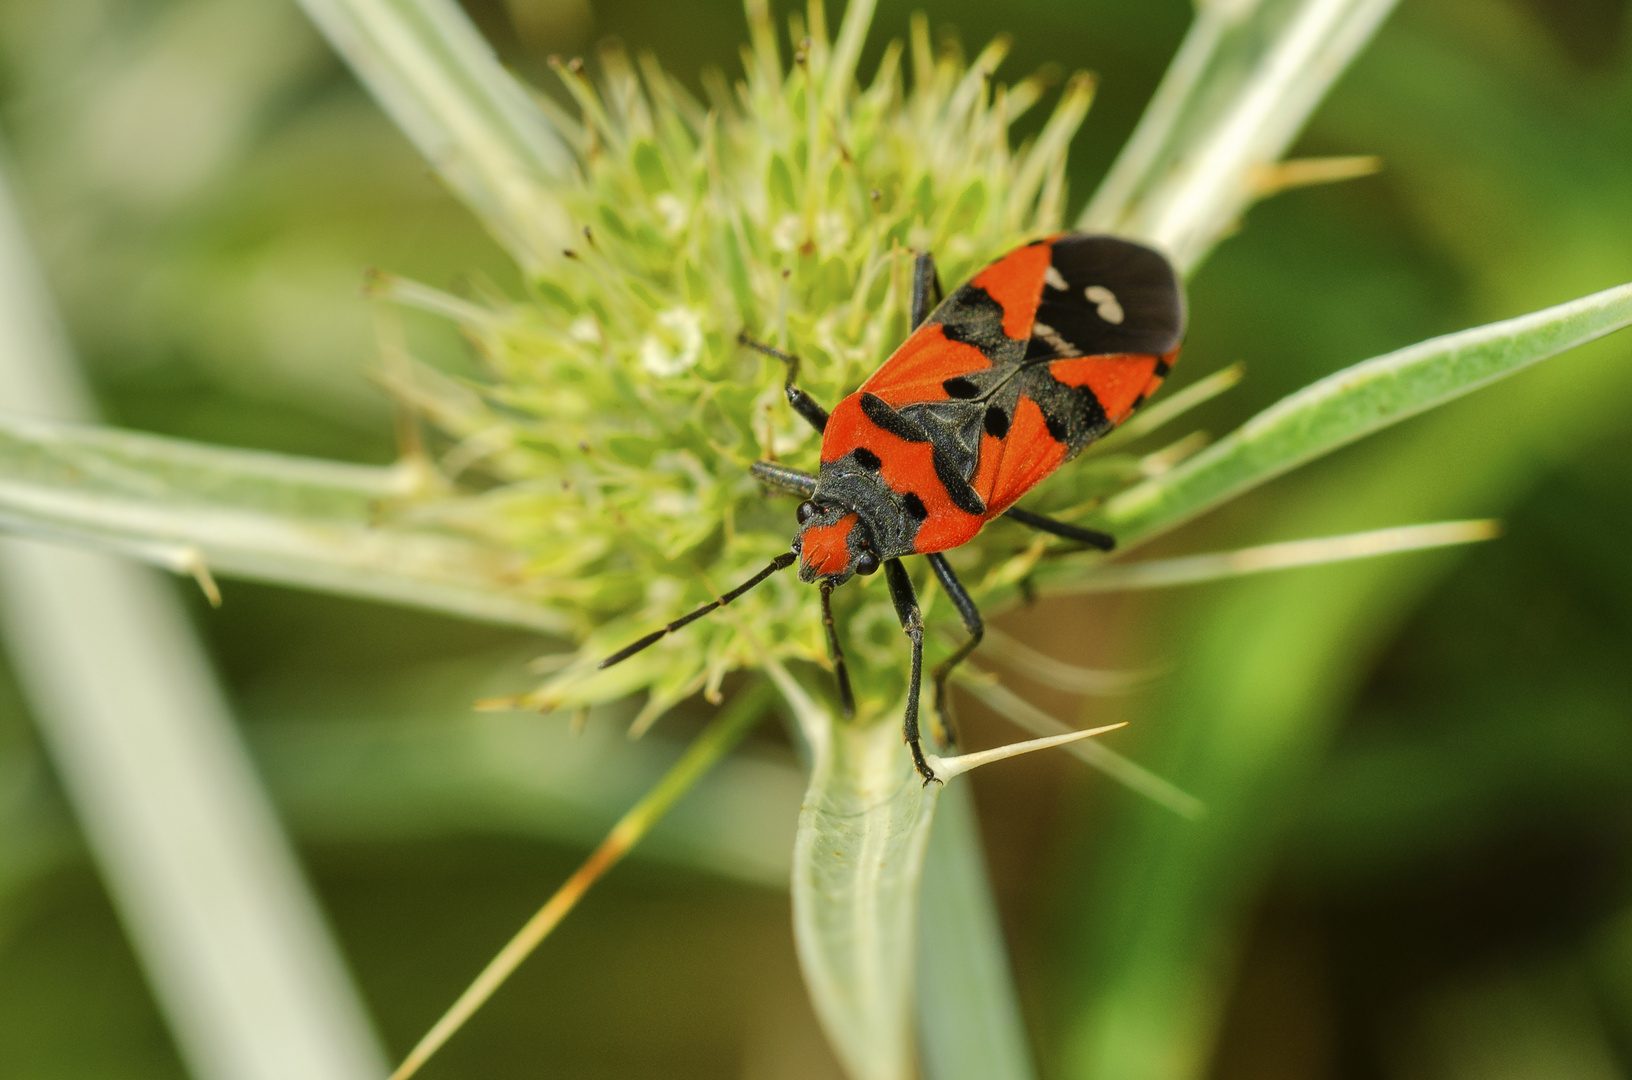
x=970, y=614
x=803, y=404
x=1091, y=537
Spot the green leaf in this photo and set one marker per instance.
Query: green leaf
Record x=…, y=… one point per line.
x=968, y=1014
x=1355, y=402
x=1271, y=667
x=269, y=517
x=857, y=861
x=432, y=71
x=1237, y=93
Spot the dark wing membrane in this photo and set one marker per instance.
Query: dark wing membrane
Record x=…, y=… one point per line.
x=1105, y=296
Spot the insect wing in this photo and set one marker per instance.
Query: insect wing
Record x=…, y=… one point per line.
x=1038, y=355
x=1013, y=463
x=974, y=338
x=1119, y=384
x=1105, y=326
x=920, y=369
x=1102, y=296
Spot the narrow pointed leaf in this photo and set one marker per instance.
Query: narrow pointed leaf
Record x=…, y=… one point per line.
x=1237, y=93
x=432, y=71
x=1355, y=402
x=1217, y=566
x=728, y=728
x=270, y=517
x=1029, y=717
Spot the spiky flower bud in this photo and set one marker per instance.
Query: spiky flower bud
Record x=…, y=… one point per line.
x=613, y=438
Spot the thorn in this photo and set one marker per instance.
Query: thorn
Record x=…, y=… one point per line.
x=1269, y=180
x=946, y=768
x=191, y=560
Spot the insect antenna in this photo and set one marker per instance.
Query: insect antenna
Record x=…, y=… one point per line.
x=781, y=562
x=847, y=698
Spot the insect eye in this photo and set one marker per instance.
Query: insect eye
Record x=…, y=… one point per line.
x=866, y=563
x=806, y=511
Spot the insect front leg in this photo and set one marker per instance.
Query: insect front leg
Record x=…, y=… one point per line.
x=802, y=403
x=912, y=623
x=926, y=288
x=789, y=480
x=970, y=614
x=835, y=651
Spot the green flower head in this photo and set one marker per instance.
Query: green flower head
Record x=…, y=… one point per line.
x=615, y=435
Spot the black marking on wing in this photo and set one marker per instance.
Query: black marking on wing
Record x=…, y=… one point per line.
x=914, y=506
x=1059, y=424
x=997, y=422
x=958, y=490
x=970, y=316
x=1073, y=414
x=866, y=459
x=960, y=387
x=953, y=426
x=880, y=413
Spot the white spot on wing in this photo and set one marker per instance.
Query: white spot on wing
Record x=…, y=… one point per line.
x=1052, y=338
x=1104, y=301
x=1055, y=280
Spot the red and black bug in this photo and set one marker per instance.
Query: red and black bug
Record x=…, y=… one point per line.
x=1010, y=377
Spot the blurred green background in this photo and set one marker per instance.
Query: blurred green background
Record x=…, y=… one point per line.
x=1419, y=857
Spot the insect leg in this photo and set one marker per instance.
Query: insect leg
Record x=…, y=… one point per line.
x=802, y=403
x=912, y=622
x=1092, y=538
x=781, y=562
x=792, y=481
x=926, y=288
x=970, y=614
x=835, y=651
